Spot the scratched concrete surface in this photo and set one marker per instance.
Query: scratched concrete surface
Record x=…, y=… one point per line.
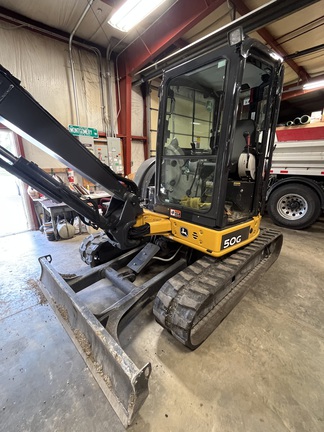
x=261, y=370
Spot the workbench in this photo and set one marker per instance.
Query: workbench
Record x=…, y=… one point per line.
x=56, y=209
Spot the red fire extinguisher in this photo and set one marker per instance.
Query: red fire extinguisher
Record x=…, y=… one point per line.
x=70, y=175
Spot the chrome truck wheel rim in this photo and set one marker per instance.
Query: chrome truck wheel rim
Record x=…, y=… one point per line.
x=292, y=206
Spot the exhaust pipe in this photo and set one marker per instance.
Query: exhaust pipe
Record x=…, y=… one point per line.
x=289, y=123
x=297, y=121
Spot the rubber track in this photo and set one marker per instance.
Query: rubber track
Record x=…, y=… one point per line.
x=193, y=303
x=90, y=247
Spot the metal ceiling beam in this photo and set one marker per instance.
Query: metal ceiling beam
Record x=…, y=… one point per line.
x=264, y=15
x=242, y=9
x=294, y=90
x=45, y=30
x=305, y=52
x=125, y=120
x=179, y=19
x=292, y=94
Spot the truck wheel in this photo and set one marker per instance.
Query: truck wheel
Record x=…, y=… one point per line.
x=294, y=206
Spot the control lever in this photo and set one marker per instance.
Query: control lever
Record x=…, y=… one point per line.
x=247, y=138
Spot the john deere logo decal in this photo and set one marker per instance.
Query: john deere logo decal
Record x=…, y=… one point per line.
x=184, y=232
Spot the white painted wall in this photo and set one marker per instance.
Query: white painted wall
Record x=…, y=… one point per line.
x=42, y=64
x=137, y=129
x=154, y=112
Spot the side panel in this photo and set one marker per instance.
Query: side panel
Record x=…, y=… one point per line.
x=212, y=242
x=299, y=158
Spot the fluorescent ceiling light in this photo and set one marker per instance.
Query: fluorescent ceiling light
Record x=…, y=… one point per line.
x=313, y=85
x=132, y=12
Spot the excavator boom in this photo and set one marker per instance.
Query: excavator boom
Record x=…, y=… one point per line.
x=32, y=122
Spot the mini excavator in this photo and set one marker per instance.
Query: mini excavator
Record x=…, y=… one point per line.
x=185, y=235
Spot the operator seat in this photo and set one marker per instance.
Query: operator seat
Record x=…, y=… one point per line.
x=171, y=168
x=173, y=148
x=240, y=142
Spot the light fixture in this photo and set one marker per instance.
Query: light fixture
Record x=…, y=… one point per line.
x=313, y=85
x=235, y=36
x=133, y=12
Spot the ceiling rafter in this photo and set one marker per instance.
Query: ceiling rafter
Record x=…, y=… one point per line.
x=179, y=19
x=45, y=30
x=291, y=91
x=302, y=74
x=257, y=19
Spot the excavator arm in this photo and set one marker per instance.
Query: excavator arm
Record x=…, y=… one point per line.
x=34, y=123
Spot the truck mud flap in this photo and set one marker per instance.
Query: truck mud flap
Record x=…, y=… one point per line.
x=122, y=382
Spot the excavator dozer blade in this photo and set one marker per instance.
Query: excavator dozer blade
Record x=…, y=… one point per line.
x=123, y=383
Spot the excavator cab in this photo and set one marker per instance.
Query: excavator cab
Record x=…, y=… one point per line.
x=218, y=114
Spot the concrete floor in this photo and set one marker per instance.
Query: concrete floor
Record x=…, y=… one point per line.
x=261, y=370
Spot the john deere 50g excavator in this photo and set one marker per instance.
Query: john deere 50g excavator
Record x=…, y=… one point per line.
x=186, y=234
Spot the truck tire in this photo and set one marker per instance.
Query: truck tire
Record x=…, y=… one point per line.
x=294, y=206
